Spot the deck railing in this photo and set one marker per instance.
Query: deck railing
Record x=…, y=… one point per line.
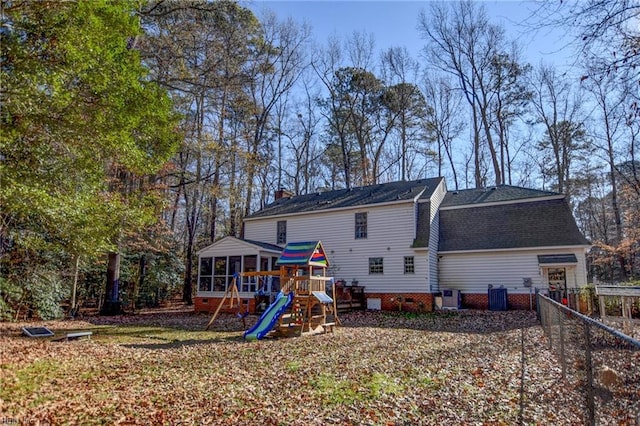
x=600, y=362
x=305, y=284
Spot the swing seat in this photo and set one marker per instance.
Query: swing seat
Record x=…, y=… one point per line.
x=242, y=314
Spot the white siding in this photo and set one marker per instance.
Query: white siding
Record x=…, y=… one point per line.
x=473, y=272
x=230, y=246
x=434, y=234
x=390, y=233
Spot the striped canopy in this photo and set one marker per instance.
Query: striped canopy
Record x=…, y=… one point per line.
x=308, y=253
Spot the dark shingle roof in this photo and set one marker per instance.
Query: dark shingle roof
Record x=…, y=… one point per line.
x=494, y=194
x=264, y=245
x=361, y=196
x=423, y=230
x=545, y=223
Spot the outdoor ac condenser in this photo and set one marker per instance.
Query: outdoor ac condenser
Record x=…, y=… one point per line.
x=451, y=299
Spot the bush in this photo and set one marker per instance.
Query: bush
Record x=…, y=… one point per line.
x=46, y=291
x=40, y=294
x=10, y=296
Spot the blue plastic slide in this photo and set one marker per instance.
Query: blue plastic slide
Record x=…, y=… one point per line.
x=270, y=317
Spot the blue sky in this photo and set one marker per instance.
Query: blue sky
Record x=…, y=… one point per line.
x=394, y=23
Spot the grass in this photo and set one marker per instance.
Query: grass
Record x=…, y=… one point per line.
x=26, y=381
x=385, y=368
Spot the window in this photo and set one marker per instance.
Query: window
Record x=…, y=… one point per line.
x=249, y=283
x=409, y=265
x=220, y=274
x=281, y=237
x=361, y=225
x=376, y=265
x=206, y=274
x=264, y=263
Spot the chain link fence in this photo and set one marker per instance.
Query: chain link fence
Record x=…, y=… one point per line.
x=598, y=362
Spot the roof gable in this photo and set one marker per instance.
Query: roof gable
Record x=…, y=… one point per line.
x=544, y=223
x=306, y=253
x=230, y=242
x=344, y=198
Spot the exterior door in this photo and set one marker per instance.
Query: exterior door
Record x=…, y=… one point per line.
x=557, y=278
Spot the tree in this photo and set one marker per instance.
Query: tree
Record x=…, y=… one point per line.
x=606, y=32
x=356, y=98
x=302, y=166
x=557, y=108
x=407, y=104
x=353, y=95
x=78, y=114
x=446, y=122
x=606, y=37
x=462, y=43
x=562, y=144
x=610, y=101
x=201, y=52
x=277, y=65
x=509, y=103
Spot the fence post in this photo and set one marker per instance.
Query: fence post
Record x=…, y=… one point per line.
x=591, y=419
x=562, y=355
x=547, y=314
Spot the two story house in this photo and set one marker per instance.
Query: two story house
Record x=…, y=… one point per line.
x=410, y=241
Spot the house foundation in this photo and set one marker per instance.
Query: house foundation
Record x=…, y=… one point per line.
x=514, y=301
x=210, y=304
x=407, y=302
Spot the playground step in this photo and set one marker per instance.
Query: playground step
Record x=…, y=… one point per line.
x=328, y=327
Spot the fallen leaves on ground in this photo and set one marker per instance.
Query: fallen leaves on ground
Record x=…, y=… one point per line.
x=379, y=368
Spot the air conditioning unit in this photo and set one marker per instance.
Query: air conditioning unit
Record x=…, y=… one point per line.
x=451, y=299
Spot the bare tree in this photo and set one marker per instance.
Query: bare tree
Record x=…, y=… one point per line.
x=606, y=33
x=557, y=107
x=462, y=42
x=304, y=154
x=277, y=65
x=399, y=71
x=446, y=123
x=509, y=104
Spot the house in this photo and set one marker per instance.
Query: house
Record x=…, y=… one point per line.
x=409, y=241
x=219, y=262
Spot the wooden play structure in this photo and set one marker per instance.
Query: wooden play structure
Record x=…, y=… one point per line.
x=233, y=301
x=311, y=300
x=626, y=297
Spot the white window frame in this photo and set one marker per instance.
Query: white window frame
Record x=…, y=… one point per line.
x=376, y=266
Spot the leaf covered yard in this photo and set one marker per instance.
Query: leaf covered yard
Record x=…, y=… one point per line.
x=379, y=369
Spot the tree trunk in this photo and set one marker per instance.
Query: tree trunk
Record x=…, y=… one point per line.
x=187, y=287
x=477, y=173
x=76, y=267
x=614, y=203
x=492, y=148
x=142, y=270
x=112, y=304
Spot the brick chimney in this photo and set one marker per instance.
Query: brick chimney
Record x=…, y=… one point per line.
x=283, y=193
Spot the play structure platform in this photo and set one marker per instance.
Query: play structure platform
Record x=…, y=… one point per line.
x=306, y=302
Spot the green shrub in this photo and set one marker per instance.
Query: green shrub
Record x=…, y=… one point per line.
x=10, y=296
x=45, y=291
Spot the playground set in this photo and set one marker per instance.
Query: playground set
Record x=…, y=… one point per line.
x=302, y=304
